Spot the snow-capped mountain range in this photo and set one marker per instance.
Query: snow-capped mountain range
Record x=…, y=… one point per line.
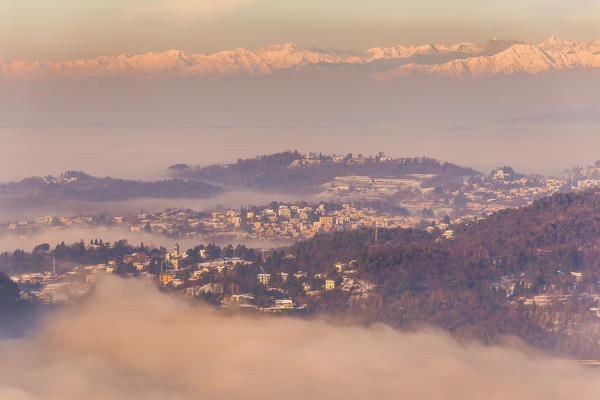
x=463, y=60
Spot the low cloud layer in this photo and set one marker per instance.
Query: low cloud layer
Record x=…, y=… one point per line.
x=234, y=199
x=127, y=341
x=10, y=242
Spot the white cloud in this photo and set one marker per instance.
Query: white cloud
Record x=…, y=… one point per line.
x=129, y=342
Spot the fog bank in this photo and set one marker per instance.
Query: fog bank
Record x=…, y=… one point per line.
x=234, y=200
x=127, y=341
x=10, y=242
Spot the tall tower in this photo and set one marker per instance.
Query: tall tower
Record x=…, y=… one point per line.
x=176, y=250
x=53, y=267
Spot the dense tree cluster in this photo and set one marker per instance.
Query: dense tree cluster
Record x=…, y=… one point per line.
x=549, y=248
x=274, y=172
x=9, y=291
x=425, y=278
x=80, y=186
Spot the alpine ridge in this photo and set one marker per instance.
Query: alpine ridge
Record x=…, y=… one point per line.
x=462, y=60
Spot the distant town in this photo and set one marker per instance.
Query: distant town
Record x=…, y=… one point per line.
x=247, y=279
x=183, y=274
x=347, y=203
x=421, y=249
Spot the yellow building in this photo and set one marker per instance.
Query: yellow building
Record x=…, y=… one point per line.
x=166, y=277
x=329, y=284
x=326, y=220
x=264, y=278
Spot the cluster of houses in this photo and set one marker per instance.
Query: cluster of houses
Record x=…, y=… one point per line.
x=186, y=279
x=551, y=296
x=475, y=196
x=312, y=286
x=317, y=159
x=50, y=287
x=286, y=222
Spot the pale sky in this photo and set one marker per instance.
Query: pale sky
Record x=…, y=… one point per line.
x=67, y=29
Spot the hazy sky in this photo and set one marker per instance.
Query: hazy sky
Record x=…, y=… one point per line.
x=136, y=129
x=61, y=29
x=132, y=128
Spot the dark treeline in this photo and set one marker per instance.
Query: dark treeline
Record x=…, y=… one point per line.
x=74, y=185
x=561, y=232
x=273, y=172
x=422, y=278
x=97, y=251
x=16, y=317
x=40, y=259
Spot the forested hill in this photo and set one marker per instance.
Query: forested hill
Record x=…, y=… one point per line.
x=558, y=224
x=74, y=185
x=293, y=171
x=477, y=284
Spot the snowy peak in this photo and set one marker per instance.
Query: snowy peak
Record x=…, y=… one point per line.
x=515, y=58
x=555, y=42
x=525, y=58
x=403, y=52
x=462, y=60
